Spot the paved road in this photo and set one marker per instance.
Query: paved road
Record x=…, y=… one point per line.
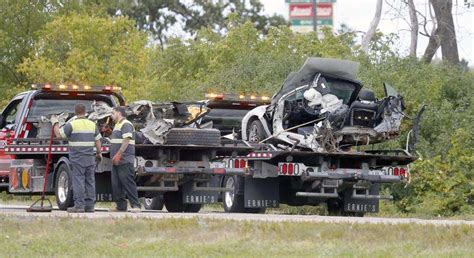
x=20, y=211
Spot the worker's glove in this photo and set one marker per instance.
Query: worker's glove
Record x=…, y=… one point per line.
x=116, y=159
x=54, y=119
x=98, y=157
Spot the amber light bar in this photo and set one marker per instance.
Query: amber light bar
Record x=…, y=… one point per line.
x=74, y=87
x=237, y=97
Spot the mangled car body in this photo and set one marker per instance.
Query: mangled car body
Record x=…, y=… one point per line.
x=323, y=107
x=153, y=121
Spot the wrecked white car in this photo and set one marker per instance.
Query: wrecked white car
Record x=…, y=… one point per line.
x=323, y=107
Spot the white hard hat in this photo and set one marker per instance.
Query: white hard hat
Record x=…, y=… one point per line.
x=313, y=97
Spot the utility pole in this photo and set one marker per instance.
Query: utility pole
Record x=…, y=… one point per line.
x=315, y=17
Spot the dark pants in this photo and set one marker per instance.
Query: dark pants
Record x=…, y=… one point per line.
x=123, y=185
x=83, y=186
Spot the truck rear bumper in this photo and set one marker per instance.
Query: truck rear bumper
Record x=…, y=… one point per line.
x=191, y=170
x=356, y=177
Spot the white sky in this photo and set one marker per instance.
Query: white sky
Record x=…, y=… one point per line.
x=358, y=14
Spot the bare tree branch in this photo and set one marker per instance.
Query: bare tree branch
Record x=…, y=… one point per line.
x=373, y=27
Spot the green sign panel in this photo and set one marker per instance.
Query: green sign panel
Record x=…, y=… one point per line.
x=310, y=22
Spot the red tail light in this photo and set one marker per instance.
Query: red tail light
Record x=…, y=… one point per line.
x=395, y=171
x=290, y=169
x=242, y=163
x=236, y=163
x=284, y=169
x=402, y=172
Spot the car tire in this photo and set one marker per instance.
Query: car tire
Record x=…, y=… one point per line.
x=232, y=201
x=256, y=132
x=153, y=204
x=63, y=187
x=193, y=136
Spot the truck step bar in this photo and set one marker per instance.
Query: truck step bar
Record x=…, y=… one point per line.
x=317, y=195
x=191, y=170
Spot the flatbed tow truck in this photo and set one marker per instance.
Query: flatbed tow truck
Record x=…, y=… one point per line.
x=348, y=182
x=179, y=174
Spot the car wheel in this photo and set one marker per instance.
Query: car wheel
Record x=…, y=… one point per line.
x=63, y=188
x=193, y=136
x=154, y=204
x=256, y=133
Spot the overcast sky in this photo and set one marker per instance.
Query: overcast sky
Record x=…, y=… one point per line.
x=358, y=14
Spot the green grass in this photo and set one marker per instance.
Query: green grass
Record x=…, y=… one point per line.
x=215, y=238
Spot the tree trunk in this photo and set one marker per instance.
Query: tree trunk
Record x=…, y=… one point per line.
x=413, y=28
x=446, y=31
x=373, y=27
x=432, y=47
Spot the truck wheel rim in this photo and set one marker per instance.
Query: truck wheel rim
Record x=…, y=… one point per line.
x=253, y=134
x=229, y=196
x=148, y=201
x=63, y=186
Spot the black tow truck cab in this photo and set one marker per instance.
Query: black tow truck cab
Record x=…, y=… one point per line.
x=180, y=176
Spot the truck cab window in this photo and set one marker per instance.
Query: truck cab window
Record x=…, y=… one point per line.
x=10, y=113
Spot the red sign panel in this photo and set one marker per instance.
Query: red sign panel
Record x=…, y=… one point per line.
x=305, y=10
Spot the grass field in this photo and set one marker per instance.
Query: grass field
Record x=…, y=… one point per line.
x=32, y=237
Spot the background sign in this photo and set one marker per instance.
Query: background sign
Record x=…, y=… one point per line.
x=301, y=14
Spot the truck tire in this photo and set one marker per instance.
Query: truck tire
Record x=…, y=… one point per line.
x=174, y=203
x=233, y=202
x=63, y=187
x=193, y=208
x=255, y=132
x=193, y=136
x=153, y=204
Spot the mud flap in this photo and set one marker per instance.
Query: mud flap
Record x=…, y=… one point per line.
x=362, y=205
x=103, y=187
x=201, y=196
x=261, y=193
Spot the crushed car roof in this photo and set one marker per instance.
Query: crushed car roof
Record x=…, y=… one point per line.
x=336, y=68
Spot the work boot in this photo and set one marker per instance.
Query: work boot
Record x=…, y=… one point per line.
x=90, y=209
x=115, y=209
x=75, y=210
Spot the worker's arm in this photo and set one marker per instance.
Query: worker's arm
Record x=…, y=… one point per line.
x=57, y=134
x=98, y=144
x=63, y=132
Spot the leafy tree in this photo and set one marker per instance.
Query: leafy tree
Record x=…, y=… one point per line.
x=91, y=50
x=159, y=16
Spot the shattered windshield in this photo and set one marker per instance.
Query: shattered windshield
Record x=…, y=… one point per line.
x=342, y=89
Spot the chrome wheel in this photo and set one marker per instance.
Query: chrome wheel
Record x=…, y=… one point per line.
x=229, y=196
x=63, y=186
x=148, y=202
